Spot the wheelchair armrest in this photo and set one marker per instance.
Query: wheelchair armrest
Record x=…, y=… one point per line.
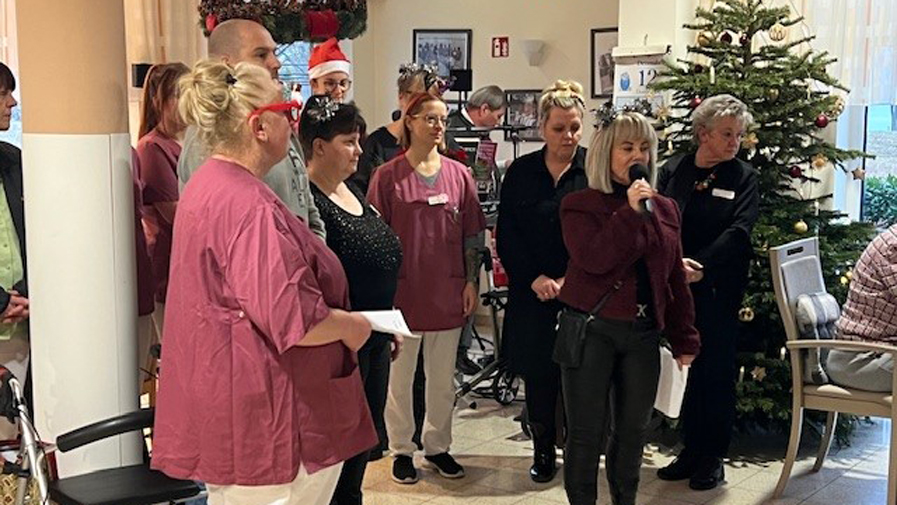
x=844, y=345
x=106, y=428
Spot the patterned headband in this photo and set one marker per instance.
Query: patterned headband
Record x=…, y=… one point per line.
x=321, y=109
x=607, y=113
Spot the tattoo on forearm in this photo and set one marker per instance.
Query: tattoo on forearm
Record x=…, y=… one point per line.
x=472, y=264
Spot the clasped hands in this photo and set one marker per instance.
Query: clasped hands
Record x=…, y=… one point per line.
x=17, y=310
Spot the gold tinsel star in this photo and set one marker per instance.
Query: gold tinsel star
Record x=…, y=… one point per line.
x=819, y=161
x=750, y=141
x=663, y=112
x=758, y=373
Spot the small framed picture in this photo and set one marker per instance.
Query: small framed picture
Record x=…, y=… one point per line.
x=604, y=40
x=446, y=49
x=523, y=112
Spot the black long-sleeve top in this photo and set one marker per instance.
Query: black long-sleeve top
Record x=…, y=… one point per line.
x=529, y=238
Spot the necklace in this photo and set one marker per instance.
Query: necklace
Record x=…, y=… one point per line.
x=703, y=184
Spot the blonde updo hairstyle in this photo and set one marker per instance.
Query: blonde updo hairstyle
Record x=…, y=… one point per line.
x=217, y=98
x=563, y=95
x=626, y=126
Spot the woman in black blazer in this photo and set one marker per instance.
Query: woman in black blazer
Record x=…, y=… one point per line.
x=718, y=197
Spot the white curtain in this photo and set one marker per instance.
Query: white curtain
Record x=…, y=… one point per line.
x=163, y=31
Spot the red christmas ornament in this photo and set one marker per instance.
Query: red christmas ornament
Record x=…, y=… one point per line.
x=726, y=38
x=211, y=22
x=821, y=121
x=321, y=24
x=795, y=172
x=744, y=40
x=695, y=102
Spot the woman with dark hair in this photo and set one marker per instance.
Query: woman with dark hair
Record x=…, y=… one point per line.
x=158, y=149
x=431, y=203
x=368, y=249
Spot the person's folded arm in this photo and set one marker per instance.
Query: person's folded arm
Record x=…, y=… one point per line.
x=679, y=316
x=735, y=240
x=516, y=257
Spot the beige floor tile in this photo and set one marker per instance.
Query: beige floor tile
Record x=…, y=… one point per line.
x=852, y=491
x=735, y=496
x=479, y=495
x=679, y=490
x=800, y=486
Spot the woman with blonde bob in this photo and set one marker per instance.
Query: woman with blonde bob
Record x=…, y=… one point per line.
x=624, y=285
x=532, y=251
x=259, y=345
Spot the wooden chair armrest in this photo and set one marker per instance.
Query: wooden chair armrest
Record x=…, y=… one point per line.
x=844, y=345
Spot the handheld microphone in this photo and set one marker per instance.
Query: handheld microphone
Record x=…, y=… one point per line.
x=636, y=172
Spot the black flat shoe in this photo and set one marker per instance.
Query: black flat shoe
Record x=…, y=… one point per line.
x=683, y=467
x=710, y=473
x=544, y=467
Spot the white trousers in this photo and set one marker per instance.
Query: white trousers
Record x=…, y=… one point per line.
x=440, y=349
x=306, y=489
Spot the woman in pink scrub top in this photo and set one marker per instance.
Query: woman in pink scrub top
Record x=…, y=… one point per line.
x=260, y=397
x=430, y=201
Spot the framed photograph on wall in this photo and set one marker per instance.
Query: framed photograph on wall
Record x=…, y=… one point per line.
x=446, y=49
x=523, y=111
x=604, y=40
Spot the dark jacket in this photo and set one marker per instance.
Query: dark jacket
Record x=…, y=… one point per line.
x=726, y=224
x=605, y=237
x=529, y=243
x=11, y=174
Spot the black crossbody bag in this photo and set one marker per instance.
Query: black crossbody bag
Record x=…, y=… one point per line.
x=571, y=331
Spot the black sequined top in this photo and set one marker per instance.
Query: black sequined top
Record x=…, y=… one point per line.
x=368, y=249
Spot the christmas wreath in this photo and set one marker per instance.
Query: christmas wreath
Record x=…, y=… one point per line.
x=291, y=20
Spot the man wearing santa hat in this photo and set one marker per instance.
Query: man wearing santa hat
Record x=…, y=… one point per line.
x=328, y=70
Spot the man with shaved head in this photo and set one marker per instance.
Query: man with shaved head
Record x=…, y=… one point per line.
x=241, y=40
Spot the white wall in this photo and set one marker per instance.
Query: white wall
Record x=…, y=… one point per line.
x=564, y=26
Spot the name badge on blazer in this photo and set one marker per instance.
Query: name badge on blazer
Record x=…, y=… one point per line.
x=440, y=199
x=723, y=193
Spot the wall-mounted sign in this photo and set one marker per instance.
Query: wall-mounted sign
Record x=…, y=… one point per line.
x=500, y=47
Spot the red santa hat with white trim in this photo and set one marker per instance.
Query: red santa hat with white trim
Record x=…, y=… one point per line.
x=327, y=58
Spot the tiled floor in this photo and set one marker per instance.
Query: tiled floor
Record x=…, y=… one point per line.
x=496, y=456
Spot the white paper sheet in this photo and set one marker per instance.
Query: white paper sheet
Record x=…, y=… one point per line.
x=670, y=385
x=388, y=321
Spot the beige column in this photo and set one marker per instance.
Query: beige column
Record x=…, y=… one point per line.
x=79, y=221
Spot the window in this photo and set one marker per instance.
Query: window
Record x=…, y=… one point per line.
x=880, y=184
x=294, y=60
x=14, y=134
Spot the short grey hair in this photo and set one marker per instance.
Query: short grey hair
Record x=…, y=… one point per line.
x=626, y=126
x=490, y=96
x=717, y=107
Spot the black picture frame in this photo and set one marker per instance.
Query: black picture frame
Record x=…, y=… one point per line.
x=523, y=110
x=459, y=42
x=602, y=42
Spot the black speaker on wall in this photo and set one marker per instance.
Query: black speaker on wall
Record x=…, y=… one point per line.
x=463, y=80
x=138, y=73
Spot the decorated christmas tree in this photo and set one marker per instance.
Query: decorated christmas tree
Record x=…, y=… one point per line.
x=742, y=48
x=291, y=20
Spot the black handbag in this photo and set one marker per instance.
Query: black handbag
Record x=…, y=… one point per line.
x=571, y=331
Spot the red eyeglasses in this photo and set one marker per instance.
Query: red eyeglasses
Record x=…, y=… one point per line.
x=289, y=109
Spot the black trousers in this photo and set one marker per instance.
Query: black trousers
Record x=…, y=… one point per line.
x=542, y=391
x=373, y=364
x=616, y=382
x=708, y=411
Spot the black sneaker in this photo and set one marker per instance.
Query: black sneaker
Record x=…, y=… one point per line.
x=403, y=470
x=466, y=365
x=544, y=466
x=446, y=465
x=683, y=467
x=709, y=474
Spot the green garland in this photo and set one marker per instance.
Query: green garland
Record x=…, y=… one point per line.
x=287, y=20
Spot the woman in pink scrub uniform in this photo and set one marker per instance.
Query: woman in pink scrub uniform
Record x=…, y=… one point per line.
x=430, y=201
x=261, y=396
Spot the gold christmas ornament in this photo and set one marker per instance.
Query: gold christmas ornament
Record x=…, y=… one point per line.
x=746, y=314
x=778, y=32
x=772, y=94
x=750, y=141
x=663, y=113
x=705, y=37
x=858, y=174
x=758, y=373
x=836, y=109
x=819, y=161
x=801, y=227
x=849, y=274
x=844, y=280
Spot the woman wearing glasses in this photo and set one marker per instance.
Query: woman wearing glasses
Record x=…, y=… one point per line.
x=261, y=401
x=717, y=195
x=328, y=71
x=430, y=201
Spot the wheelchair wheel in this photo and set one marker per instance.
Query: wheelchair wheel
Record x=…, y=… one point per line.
x=505, y=387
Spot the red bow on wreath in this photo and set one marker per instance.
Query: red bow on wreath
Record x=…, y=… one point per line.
x=321, y=24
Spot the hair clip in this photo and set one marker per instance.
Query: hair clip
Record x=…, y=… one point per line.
x=321, y=109
x=431, y=76
x=230, y=79
x=607, y=113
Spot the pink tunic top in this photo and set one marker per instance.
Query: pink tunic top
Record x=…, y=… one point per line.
x=239, y=401
x=158, y=157
x=431, y=222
